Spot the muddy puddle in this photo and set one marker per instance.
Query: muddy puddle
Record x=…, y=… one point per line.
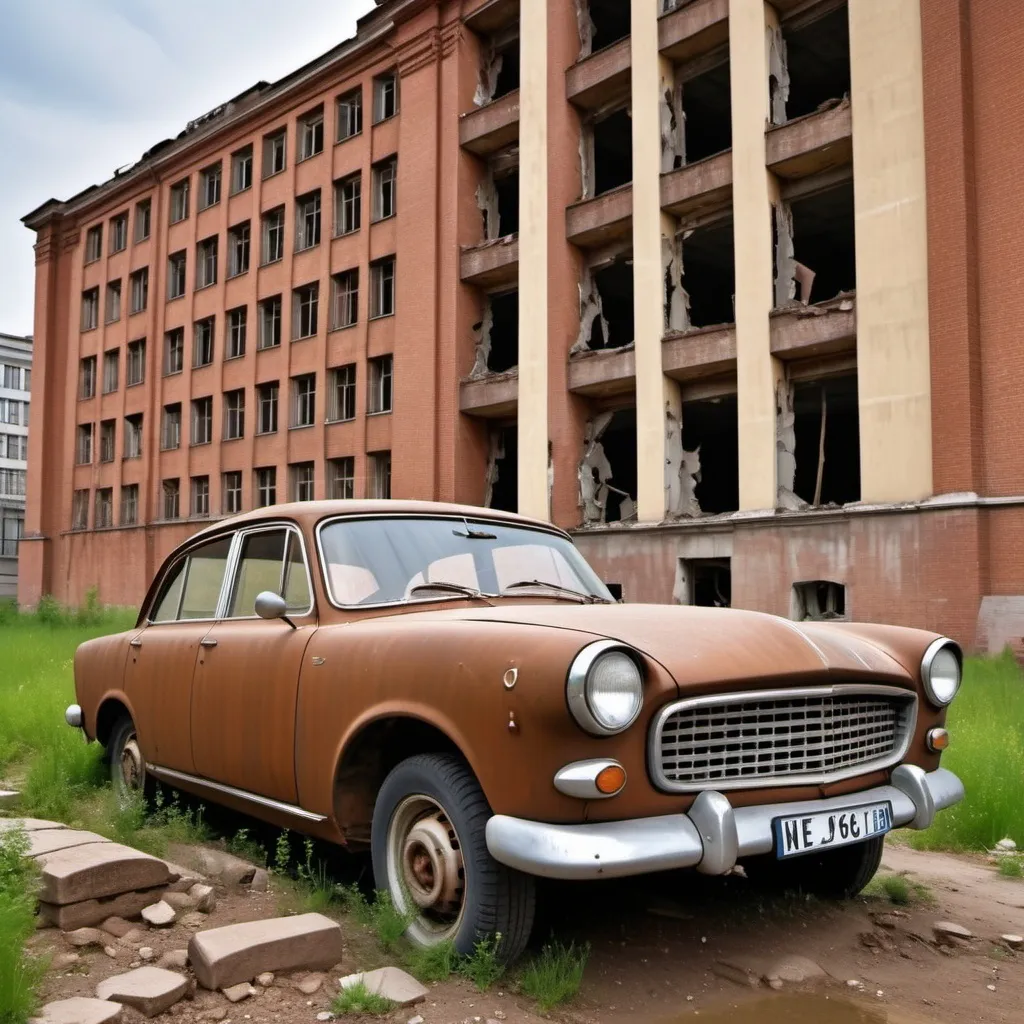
x=798, y=1009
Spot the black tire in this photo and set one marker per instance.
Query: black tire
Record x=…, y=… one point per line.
x=437, y=796
x=128, y=773
x=833, y=875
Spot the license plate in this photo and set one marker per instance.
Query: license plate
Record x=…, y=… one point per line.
x=808, y=833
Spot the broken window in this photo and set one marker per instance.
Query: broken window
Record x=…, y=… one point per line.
x=711, y=453
x=709, y=274
x=707, y=113
x=815, y=252
x=608, y=471
x=497, y=348
x=507, y=188
x=608, y=22
x=818, y=600
x=815, y=65
x=826, y=441
x=613, y=151
x=705, y=582
x=499, y=67
x=612, y=326
x=502, y=490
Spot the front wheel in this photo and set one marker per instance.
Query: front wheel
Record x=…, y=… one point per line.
x=127, y=765
x=431, y=857
x=832, y=875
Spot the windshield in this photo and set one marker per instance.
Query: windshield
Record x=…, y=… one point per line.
x=380, y=561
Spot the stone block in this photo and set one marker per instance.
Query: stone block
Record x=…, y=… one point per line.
x=116, y=926
x=29, y=824
x=53, y=839
x=180, y=900
x=391, y=983
x=93, y=912
x=150, y=990
x=82, y=937
x=205, y=897
x=78, y=1011
x=160, y=915
x=97, y=870
x=226, y=956
x=236, y=993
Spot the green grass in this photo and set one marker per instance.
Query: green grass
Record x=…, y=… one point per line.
x=358, y=999
x=484, y=966
x=986, y=728
x=898, y=890
x=555, y=976
x=20, y=973
x=432, y=963
x=1011, y=867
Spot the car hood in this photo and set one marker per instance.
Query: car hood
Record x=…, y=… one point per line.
x=719, y=647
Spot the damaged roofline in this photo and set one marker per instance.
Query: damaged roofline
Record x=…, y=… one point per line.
x=293, y=81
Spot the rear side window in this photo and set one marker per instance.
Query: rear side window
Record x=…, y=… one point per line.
x=270, y=560
x=193, y=585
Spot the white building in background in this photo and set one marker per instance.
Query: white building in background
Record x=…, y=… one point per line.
x=15, y=385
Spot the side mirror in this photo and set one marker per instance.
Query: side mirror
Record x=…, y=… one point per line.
x=270, y=605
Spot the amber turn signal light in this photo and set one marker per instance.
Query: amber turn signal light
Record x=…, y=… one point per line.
x=611, y=779
x=937, y=740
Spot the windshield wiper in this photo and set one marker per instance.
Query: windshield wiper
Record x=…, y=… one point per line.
x=474, y=534
x=568, y=591
x=454, y=588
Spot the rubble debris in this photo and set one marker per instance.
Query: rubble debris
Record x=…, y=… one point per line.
x=391, y=983
x=778, y=73
x=236, y=993
x=205, y=897
x=79, y=1010
x=150, y=990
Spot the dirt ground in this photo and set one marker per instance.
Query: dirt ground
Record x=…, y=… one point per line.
x=676, y=948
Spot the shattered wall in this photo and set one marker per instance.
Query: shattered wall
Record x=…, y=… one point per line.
x=778, y=73
x=591, y=312
x=677, y=300
x=682, y=468
x=785, y=444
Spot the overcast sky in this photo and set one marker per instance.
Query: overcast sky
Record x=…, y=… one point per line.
x=86, y=86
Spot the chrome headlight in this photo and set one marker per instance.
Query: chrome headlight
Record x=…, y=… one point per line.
x=605, y=690
x=941, y=669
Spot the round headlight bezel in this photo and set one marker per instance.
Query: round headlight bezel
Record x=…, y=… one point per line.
x=578, y=690
x=928, y=661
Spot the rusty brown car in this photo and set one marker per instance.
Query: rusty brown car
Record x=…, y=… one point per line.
x=457, y=691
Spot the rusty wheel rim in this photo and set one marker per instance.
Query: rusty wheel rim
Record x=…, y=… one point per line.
x=426, y=871
x=132, y=775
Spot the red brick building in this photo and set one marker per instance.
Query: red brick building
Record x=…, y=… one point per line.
x=726, y=287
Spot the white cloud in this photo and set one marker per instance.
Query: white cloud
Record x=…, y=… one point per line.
x=87, y=86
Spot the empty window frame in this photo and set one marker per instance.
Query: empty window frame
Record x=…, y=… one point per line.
x=344, y=299
x=341, y=478
x=87, y=377
x=311, y=133
x=274, y=152
x=817, y=56
x=303, y=481
x=382, y=287
x=94, y=243
x=818, y=600
x=238, y=249
x=349, y=106
x=118, y=233
x=266, y=486
x=83, y=444
x=231, y=492
x=241, y=169
x=826, y=437
x=266, y=407
x=380, y=381
x=237, y=328
x=200, y=503
x=206, y=262
x=202, y=420
x=613, y=151
x=202, y=342
x=176, y=279
x=135, y=363
x=341, y=393
x=108, y=440
x=385, y=96
x=348, y=203
x=179, y=201
x=307, y=221
x=273, y=235
x=143, y=219
x=104, y=515
x=172, y=498
x=710, y=429
x=609, y=22
x=170, y=427
x=379, y=475
x=139, y=290
x=270, y=323
x=80, y=510
x=209, y=186
x=111, y=367
x=90, y=309
x=113, y=310
x=304, y=400
x=129, y=504
x=174, y=351
x=234, y=414
x=385, y=181
x=133, y=436
x=305, y=311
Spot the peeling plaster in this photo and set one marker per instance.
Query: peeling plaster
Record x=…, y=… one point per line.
x=590, y=310
x=785, y=264
x=586, y=27
x=785, y=447
x=673, y=146
x=594, y=470
x=490, y=68
x=482, y=338
x=778, y=73
x=682, y=470
x=487, y=203
x=586, y=161
x=497, y=453
x=677, y=299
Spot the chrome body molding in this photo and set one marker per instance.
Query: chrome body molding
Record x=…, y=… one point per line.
x=711, y=837
x=73, y=716
x=579, y=778
x=172, y=777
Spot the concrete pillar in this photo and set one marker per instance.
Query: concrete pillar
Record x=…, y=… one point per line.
x=533, y=260
x=893, y=357
x=753, y=188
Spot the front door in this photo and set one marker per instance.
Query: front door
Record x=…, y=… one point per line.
x=247, y=675
x=162, y=655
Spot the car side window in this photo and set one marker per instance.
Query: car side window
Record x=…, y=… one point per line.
x=192, y=587
x=166, y=607
x=270, y=560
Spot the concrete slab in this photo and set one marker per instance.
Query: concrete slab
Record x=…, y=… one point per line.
x=390, y=982
x=97, y=870
x=150, y=990
x=29, y=824
x=52, y=839
x=94, y=912
x=226, y=956
x=78, y=1011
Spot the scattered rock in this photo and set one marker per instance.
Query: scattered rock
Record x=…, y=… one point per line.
x=111, y=951
x=1006, y=846
x=160, y=915
x=418, y=1019
x=390, y=982
x=236, y=993
x=82, y=937
x=235, y=953
x=260, y=881
x=890, y=921
x=116, y=926
x=146, y=954
x=96, y=870
x=1013, y=941
x=180, y=901
x=174, y=960
x=266, y=979
x=991, y=988
x=214, y=1013
x=310, y=984
x=794, y=970
x=135, y=937
x=66, y=960
x=150, y=990
x=183, y=878
x=193, y=919
x=946, y=930
x=324, y=1015
x=205, y=897
x=79, y=1011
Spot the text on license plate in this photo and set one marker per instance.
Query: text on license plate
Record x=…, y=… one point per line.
x=806, y=833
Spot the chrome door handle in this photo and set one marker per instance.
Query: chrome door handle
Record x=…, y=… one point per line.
x=135, y=642
x=207, y=641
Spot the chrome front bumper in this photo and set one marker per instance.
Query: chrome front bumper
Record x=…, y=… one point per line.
x=711, y=836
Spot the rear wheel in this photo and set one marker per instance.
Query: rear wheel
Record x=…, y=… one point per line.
x=430, y=855
x=127, y=765
x=832, y=875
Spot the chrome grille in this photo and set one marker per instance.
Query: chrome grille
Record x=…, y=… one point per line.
x=771, y=738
